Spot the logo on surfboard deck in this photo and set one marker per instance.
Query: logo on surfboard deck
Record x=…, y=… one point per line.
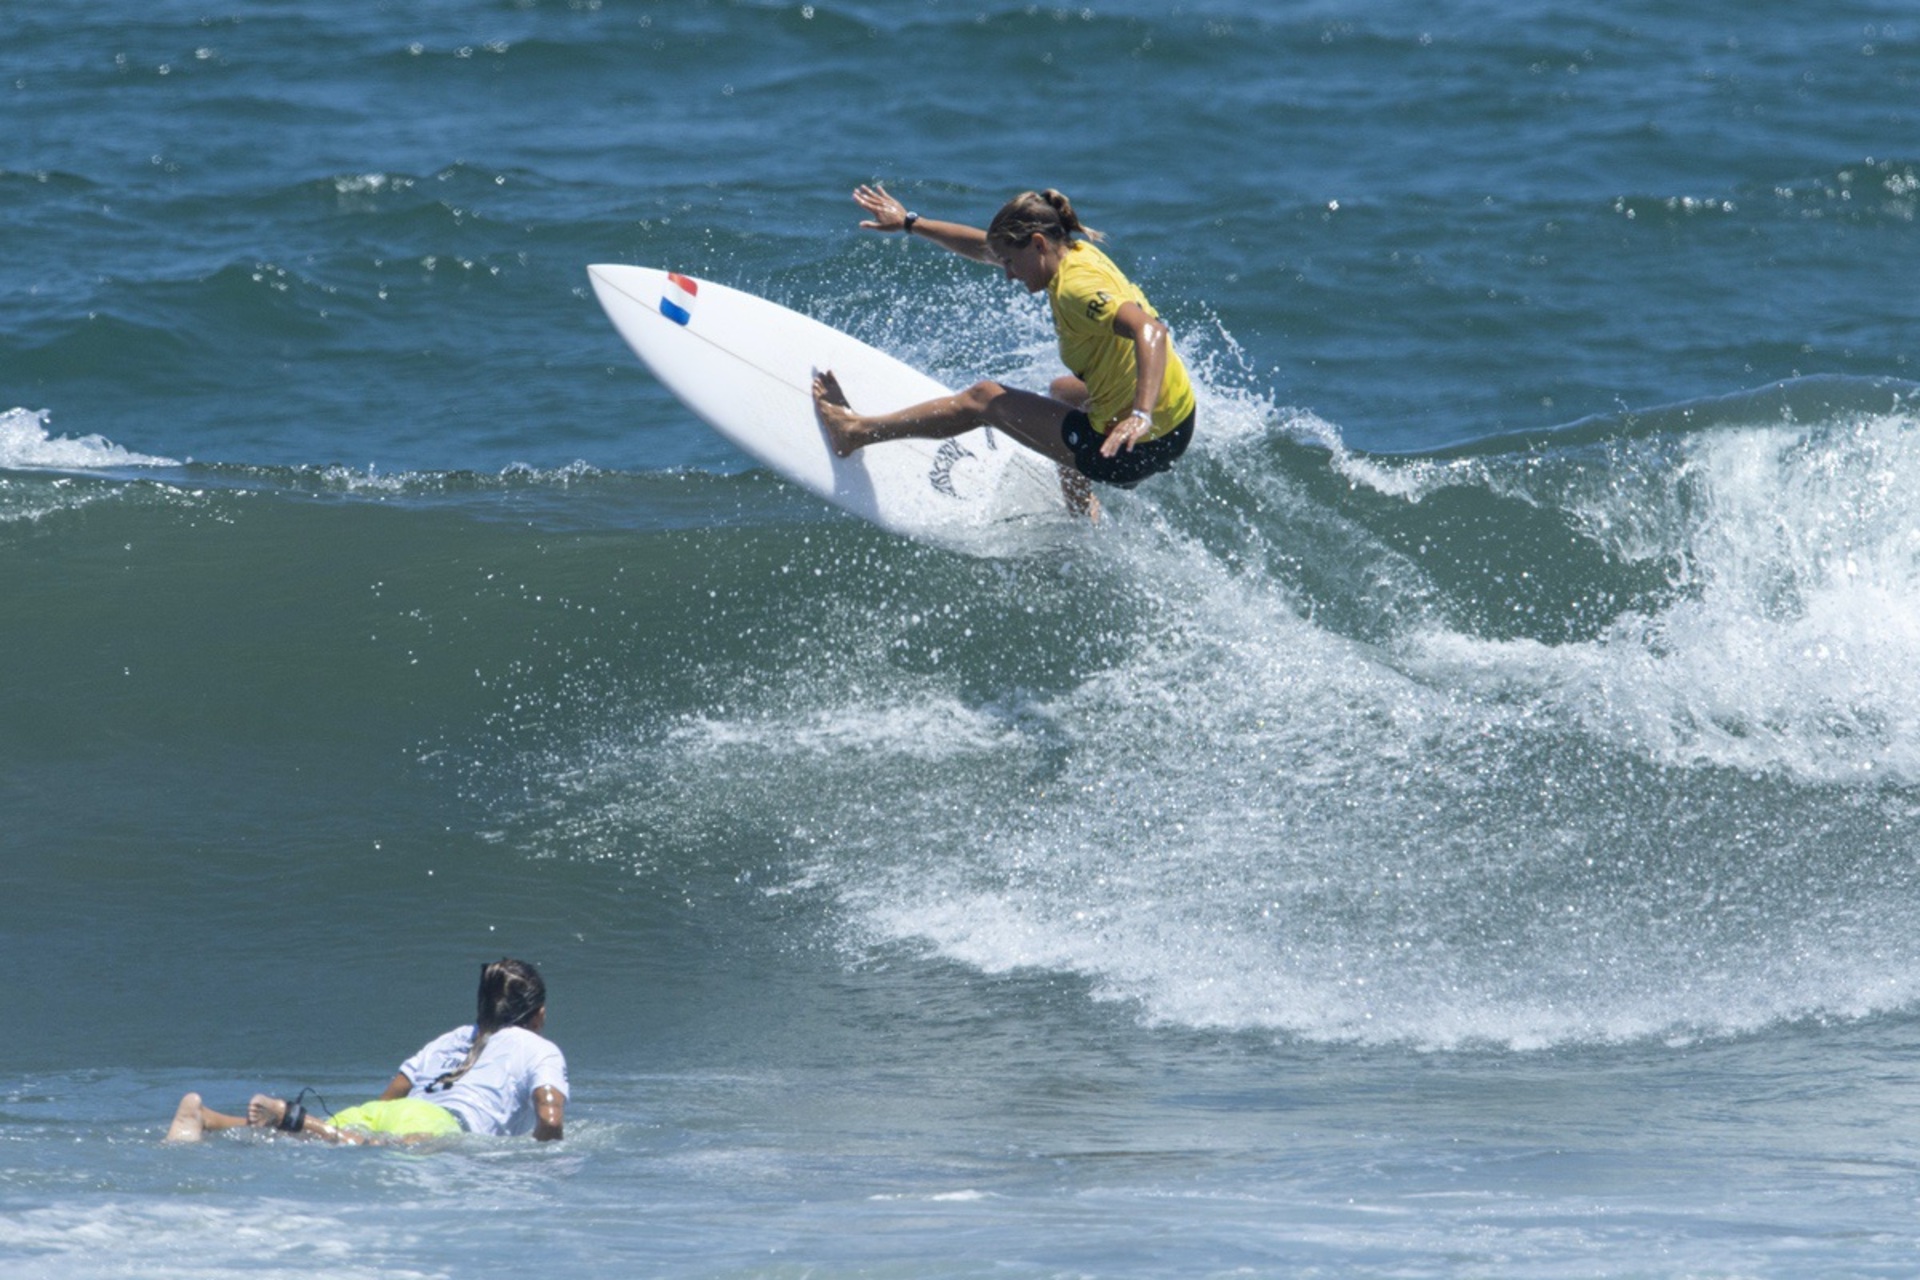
x=941, y=474
x=676, y=304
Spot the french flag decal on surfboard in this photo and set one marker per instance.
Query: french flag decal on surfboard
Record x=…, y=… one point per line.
x=677, y=303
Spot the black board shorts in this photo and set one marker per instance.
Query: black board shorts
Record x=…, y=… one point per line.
x=1128, y=467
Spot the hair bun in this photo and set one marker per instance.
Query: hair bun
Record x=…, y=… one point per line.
x=1063, y=207
x=1048, y=213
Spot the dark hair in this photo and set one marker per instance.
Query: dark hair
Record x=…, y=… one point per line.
x=511, y=993
x=1048, y=212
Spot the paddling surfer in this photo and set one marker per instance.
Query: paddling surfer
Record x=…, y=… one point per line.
x=498, y=1076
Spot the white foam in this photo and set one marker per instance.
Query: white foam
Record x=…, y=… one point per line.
x=1264, y=825
x=1793, y=642
x=189, y=1237
x=930, y=730
x=935, y=1197
x=26, y=443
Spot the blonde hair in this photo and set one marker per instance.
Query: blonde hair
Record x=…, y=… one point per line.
x=1048, y=212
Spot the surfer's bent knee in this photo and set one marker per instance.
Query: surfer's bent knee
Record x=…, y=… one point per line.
x=980, y=397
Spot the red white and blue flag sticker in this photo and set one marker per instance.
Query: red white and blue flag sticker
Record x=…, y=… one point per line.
x=676, y=304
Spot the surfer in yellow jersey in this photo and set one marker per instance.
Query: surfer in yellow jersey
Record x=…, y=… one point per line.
x=1125, y=412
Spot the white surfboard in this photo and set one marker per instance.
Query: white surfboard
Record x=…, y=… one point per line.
x=745, y=366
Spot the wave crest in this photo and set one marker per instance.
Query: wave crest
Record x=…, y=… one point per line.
x=27, y=443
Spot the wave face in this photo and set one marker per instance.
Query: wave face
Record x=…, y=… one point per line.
x=1591, y=738
x=1578, y=743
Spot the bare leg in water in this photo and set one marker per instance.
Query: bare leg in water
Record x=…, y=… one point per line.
x=193, y=1119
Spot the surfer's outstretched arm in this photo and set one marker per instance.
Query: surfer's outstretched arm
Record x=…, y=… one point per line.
x=890, y=215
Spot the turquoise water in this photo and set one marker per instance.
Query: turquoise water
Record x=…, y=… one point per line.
x=1462, y=821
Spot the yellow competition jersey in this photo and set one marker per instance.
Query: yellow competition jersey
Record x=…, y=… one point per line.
x=1086, y=292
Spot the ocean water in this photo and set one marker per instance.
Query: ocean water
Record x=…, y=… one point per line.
x=1463, y=821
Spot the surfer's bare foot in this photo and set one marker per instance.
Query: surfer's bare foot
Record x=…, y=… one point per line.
x=188, y=1124
x=837, y=417
x=1078, y=491
x=264, y=1111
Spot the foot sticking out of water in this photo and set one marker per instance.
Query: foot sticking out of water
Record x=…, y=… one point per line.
x=188, y=1124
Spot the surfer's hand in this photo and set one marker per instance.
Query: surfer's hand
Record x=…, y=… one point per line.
x=1125, y=434
x=888, y=214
